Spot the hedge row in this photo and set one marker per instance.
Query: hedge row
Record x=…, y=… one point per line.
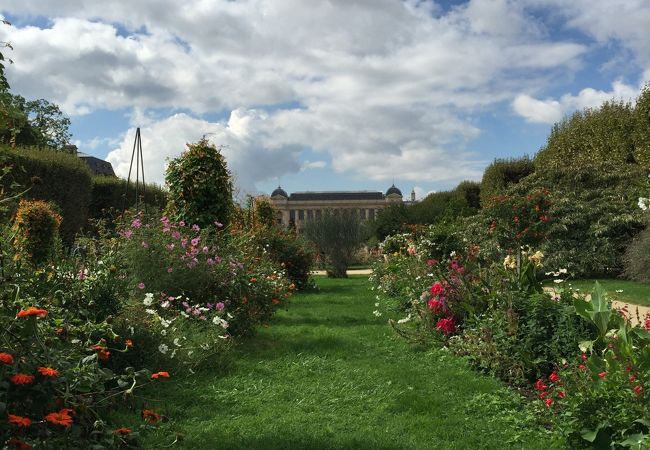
x=65, y=180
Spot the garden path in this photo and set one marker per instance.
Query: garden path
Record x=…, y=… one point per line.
x=328, y=374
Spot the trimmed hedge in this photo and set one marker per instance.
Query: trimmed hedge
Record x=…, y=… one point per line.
x=54, y=176
x=503, y=173
x=108, y=196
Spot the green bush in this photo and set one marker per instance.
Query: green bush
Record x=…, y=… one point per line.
x=36, y=231
x=641, y=135
x=503, y=173
x=637, y=258
x=200, y=186
x=292, y=253
x=53, y=176
x=108, y=197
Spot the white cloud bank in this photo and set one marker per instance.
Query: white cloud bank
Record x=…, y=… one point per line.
x=384, y=88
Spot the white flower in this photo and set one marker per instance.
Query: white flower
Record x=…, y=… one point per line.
x=162, y=348
x=558, y=280
x=377, y=313
x=163, y=332
x=165, y=323
x=376, y=305
x=619, y=291
x=452, y=254
x=176, y=343
x=173, y=354
x=562, y=271
x=643, y=203
x=150, y=311
x=148, y=299
x=405, y=319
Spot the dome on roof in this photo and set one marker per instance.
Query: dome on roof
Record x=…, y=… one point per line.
x=279, y=191
x=393, y=190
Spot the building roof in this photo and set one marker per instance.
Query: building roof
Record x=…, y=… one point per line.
x=279, y=191
x=336, y=195
x=97, y=166
x=393, y=190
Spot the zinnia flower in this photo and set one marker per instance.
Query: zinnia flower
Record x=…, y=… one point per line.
x=48, y=372
x=554, y=377
x=129, y=343
x=638, y=389
x=436, y=289
x=446, y=326
x=123, y=431
x=32, y=311
x=602, y=374
x=15, y=442
x=19, y=420
x=150, y=416
x=548, y=402
x=160, y=375
x=61, y=417
x=540, y=386
x=22, y=379
x=6, y=358
x=561, y=394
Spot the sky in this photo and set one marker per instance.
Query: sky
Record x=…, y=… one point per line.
x=327, y=94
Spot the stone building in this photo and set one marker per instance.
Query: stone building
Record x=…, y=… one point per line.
x=300, y=207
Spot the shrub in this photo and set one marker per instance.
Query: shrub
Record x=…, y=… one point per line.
x=289, y=251
x=641, y=135
x=108, y=197
x=200, y=186
x=338, y=236
x=36, y=230
x=637, y=258
x=60, y=177
x=501, y=174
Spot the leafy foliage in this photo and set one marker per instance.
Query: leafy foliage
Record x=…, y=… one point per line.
x=200, y=186
x=501, y=174
x=108, y=197
x=637, y=258
x=36, y=231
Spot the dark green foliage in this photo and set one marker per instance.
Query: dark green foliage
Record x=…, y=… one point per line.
x=642, y=128
x=107, y=199
x=503, y=173
x=390, y=220
x=36, y=231
x=338, y=236
x=589, y=137
x=432, y=208
x=293, y=253
x=200, y=186
x=265, y=213
x=54, y=176
x=470, y=193
x=637, y=258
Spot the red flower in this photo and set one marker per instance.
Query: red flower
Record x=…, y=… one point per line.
x=646, y=324
x=32, y=311
x=638, y=389
x=435, y=305
x=602, y=374
x=548, y=402
x=446, y=326
x=561, y=394
x=150, y=416
x=129, y=343
x=19, y=420
x=14, y=441
x=160, y=375
x=540, y=386
x=543, y=394
x=102, y=353
x=632, y=378
x=583, y=356
x=48, y=372
x=6, y=358
x=123, y=431
x=61, y=417
x=437, y=289
x=554, y=377
x=21, y=378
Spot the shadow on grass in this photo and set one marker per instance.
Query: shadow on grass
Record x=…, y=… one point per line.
x=274, y=442
x=329, y=322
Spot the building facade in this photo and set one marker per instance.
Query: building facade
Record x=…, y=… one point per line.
x=300, y=207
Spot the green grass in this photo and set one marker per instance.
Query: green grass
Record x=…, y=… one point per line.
x=328, y=374
x=633, y=292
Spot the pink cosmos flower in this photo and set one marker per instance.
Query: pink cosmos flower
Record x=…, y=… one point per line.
x=431, y=262
x=136, y=223
x=206, y=250
x=170, y=247
x=218, y=224
x=82, y=274
x=145, y=244
x=170, y=269
x=141, y=285
x=127, y=234
x=220, y=306
x=195, y=241
x=210, y=262
x=182, y=223
x=195, y=227
x=646, y=325
x=176, y=235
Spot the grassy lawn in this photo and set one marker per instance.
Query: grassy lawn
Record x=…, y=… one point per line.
x=632, y=292
x=328, y=374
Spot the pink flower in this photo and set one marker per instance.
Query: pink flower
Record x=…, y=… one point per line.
x=646, y=324
x=540, y=386
x=136, y=223
x=195, y=241
x=145, y=245
x=602, y=374
x=81, y=275
x=220, y=306
x=446, y=326
x=170, y=247
x=176, y=235
x=170, y=269
x=127, y=234
x=436, y=289
x=218, y=224
x=554, y=377
x=206, y=250
x=210, y=262
x=195, y=227
x=141, y=285
x=431, y=262
x=182, y=223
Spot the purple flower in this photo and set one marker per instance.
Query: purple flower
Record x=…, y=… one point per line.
x=218, y=224
x=127, y=234
x=81, y=275
x=220, y=306
x=170, y=269
x=206, y=250
x=183, y=243
x=195, y=227
x=182, y=223
x=176, y=235
x=195, y=241
x=136, y=223
x=141, y=285
x=211, y=262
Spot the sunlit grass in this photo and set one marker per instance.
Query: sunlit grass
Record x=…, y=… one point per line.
x=622, y=290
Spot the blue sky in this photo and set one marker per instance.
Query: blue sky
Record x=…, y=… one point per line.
x=332, y=95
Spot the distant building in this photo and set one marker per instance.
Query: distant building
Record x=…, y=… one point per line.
x=301, y=207
x=97, y=166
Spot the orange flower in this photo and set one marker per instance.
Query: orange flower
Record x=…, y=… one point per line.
x=150, y=416
x=6, y=358
x=32, y=311
x=102, y=353
x=160, y=375
x=123, y=431
x=19, y=420
x=21, y=378
x=61, y=417
x=275, y=301
x=48, y=372
x=129, y=343
x=14, y=441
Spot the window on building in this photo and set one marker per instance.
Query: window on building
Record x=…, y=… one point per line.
x=371, y=214
x=310, y=214
x=318, y=214
x=301, y=214
x=292, y=215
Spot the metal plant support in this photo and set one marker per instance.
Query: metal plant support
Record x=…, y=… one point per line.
x=139, y=167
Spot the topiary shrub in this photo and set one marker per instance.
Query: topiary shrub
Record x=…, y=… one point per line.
x=637, y=258
x=503, y=173
x=200, y=186
x=290, y=252
x=54, y=176
x=36, y=228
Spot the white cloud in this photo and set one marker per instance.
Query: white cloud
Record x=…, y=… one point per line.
x=381, y=88
x=551, y=111
x=306, y=165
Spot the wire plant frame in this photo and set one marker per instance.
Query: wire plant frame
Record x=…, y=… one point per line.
x=136, y=155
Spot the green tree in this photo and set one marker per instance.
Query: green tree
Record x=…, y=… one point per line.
x=337, y=236
x=503, y=173
x=4, y=84
x=200, y=186
x=390, y=220
x=33, y=123
x=642, y=128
